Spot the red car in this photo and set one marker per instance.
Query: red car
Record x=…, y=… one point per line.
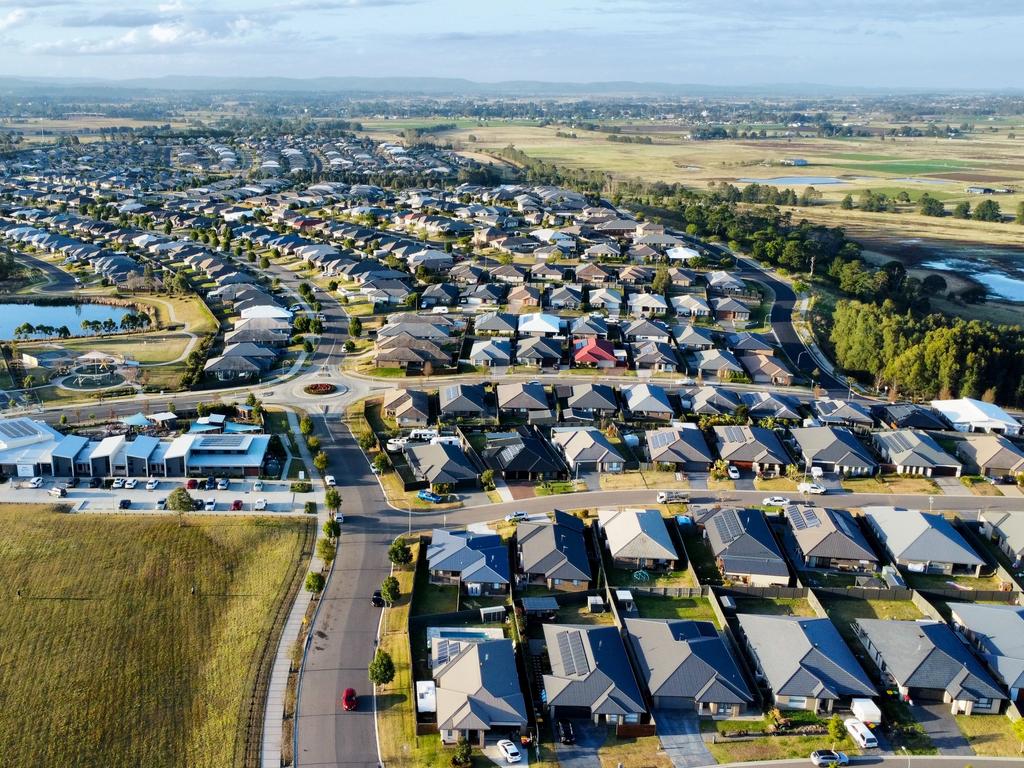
x=349, y=700
x=236, y=505
x=191, y=484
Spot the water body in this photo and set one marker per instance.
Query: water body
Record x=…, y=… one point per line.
x=1002, y=279
x=13, y=314
x=795, y=181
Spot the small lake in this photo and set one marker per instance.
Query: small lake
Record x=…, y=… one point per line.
x=795, y=181
x=1004, y=281
x=14, y=314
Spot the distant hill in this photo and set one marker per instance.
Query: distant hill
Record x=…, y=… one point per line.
x=425, y=86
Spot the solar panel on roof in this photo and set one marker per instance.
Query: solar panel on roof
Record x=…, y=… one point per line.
x=579, y=654
x=565, y=654
x=221, y=441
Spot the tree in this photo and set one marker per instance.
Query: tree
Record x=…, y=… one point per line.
x=355, y=327
x=399, y=552
x=382, y=669
x=720, y=470
x=381, y=462
x=326, y=550
x=264, y=262
x=306, y=425
x=962, y=210
x=836, y=730
x=179, y=500
x=988, y=210
x=847, y=203
x=320, y=461
x=307, y=347
x=463, y=754
x=792, y=471
x=331, y=529
x=929, y=206
x=313, y=442
x=314, y=582
x=389, y=589
x=487, y=479
x=367, y=441
x=659, y=283
x=332, y=499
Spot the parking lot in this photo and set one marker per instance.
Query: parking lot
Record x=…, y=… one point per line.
x=240, y=496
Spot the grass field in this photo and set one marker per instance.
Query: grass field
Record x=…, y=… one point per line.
x=843, y=611
x=781, y=606
x=107, y=659
x=990, y=735
x=657, y=607
x=890, y=484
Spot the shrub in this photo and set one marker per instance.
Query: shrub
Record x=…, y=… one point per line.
x=301, y=486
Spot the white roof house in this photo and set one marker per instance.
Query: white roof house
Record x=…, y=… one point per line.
x=539, y=324
x=265, y=310
x=969, y=415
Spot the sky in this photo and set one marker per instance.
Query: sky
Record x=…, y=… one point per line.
x=873, y=43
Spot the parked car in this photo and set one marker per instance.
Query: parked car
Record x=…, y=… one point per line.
x=828, y=757
x=260, y=505
x=257, y=486
x=339, y=517
x=375, y=469
x=566, y=735
x=377, y=600
x=210, y=505
x=814, y=488
x=210, y=484
x=430, y=496
x=349, y=700
x=236, y=505
x=118, y=482
x=95, y=482
x=192, y=484
x=329, y=481
x=733, y=472
x=222, y=484
x=71, y=483
x=58, y=492
x=672, y=497
x=516, y=517
x=161, y=504
x=776, y=501
x=124, y=504
x=152, y=484
x=509, y=751
x=198, y=504
x=35, y=482
x=130, y=483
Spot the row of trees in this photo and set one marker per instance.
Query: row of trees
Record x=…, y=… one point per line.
x=929, y=355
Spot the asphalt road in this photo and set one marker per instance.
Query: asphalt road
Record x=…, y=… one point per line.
x=895, y=761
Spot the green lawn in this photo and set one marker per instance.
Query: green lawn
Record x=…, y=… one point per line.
x=843, y=611
x=990, y=735
x=702, y=559
x=781, y=606
x=657, y=607
x=433, y=598
x=108, y=659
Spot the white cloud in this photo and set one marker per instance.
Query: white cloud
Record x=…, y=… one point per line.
x=13, y=18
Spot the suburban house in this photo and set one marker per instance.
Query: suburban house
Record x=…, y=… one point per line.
x=596, y=399
x=442, y=464
x=687, y=665
x=762, y=404
x=586, y=449
x=495, y=324
x=408, y=407
x=608, y=299
x=754, y=448
x=476, y=562
x=691, y=305
x=997, y=634
x=647, y=305
x=969, y=415
x=804, y=662
x=728, y=308
x=1006, y=530
x=991, y=455
x=491, y=353
x=745, y=548
x=929, y=664
x=478, y=692
x=692, y=337
x=553, y=553
x=589, y=327
x=654, y=356
x=647, y=401
x=715, y=364
x=921, y=542
x=908, y=416
x=712, y=401
x=843, y=413
x=830, y=538
x=522, y=455
x=833, y=449
x=594, y=353
x=637, y=539
x=539, y=351
x=722, y=282
x=462, y=401
x=590, y=676
x=647, y=330
x=682, y=447
x=765, y=369
x=912, y=452
x=539, y=324
x=521, y=398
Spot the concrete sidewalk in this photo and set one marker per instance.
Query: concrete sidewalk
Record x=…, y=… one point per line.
x=273, y=714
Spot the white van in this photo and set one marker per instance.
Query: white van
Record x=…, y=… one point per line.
x=672, y=497
x=423, y=435
x=444, y=440
x=860, y=733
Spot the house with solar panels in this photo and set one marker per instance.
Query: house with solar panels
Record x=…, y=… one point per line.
x=591, y=677
x=745, y=548
x=913, y=452
x=683, y=447
x=830, y=538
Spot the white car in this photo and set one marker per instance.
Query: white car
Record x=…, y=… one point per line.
x=118, y=482
x=373, y=468
x=161, y=504
x=516, y=517
x=775, y=501
x=260, y=505
x=130, y=483
x=152, y=484
x=828, y=757
x=329, y=481
x=35, y=482
x=814, y=488
x=210, y=505
x=222, y=484
x=733, y=472
x=258, y=485
x=509, y=751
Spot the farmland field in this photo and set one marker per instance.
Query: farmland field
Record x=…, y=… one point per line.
x=107, y=658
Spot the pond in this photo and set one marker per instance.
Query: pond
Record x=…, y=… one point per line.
x=14, y=314
x=1003, y=280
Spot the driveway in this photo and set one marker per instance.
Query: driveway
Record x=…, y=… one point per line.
x=941, y=728
x=698, y=480
x=582, y=754
x=680, y=737
x=951, y=486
